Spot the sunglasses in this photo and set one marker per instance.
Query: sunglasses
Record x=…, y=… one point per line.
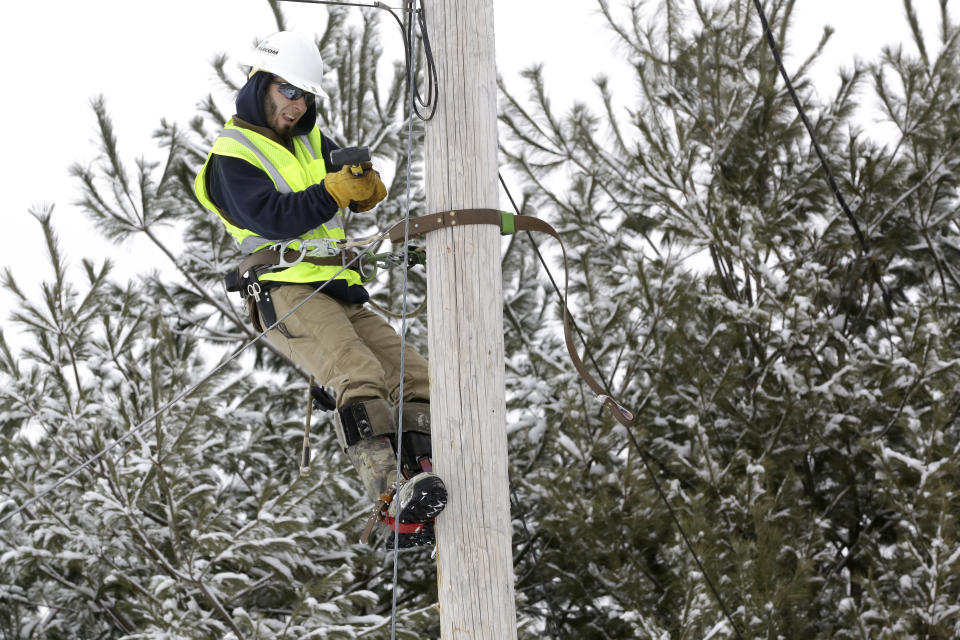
x=291, y=92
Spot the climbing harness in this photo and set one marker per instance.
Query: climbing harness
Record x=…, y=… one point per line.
x=510, y=223
x=322, y=251
x=245, y=278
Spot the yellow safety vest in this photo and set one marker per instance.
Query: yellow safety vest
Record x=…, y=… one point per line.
x=290, y=173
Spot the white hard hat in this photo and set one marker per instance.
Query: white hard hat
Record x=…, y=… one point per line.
x=291, y=56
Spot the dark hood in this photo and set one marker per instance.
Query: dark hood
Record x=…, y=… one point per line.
x=250, y=104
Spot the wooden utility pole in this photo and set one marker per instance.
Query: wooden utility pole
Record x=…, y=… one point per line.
x=465, y=305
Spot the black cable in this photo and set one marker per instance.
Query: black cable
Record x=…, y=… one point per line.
x=433, y=89
x=556, y=288
x=683, y=534
x=640, y=450
x=408, y=40
x=823, y=161
x=550, y=622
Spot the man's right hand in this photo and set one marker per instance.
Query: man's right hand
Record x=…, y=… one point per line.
x=346, y=187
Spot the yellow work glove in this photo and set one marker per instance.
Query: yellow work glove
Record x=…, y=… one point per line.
x=379, y=193
x=346, y=187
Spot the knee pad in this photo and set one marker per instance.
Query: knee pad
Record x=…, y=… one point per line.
x=374, y=420
x=364, y=420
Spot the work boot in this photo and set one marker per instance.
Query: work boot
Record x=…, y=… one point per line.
x=423, y=536
x=419, y=499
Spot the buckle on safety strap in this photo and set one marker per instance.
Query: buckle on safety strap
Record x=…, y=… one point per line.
x=311, y=248
x=610, y=402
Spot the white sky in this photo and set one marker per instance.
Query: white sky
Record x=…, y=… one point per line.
x=151, y=60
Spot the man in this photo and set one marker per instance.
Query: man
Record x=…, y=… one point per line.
x=270, y=180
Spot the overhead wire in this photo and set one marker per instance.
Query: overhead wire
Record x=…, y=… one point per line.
x=403, y=326
x=861, y=238
x=409, y=46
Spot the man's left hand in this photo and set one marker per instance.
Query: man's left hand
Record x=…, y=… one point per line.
x=379, y=193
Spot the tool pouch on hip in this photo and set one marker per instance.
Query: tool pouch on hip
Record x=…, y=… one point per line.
x=258, y=299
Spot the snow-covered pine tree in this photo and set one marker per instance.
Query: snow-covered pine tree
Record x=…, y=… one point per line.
x=197, y=525
x=804, y=430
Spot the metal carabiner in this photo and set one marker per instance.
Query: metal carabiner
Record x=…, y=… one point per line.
x=320, y=247
x=312, y=248
x=363, y=266
x=388, y=260
x=283, y=247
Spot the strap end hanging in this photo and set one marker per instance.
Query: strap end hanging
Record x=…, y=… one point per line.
x=620, y=413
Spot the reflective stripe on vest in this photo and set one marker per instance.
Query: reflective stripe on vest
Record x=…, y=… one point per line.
x=282, y=185
x=251, y=244
x=306, y=142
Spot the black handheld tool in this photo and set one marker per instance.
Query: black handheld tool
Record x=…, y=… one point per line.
x=351, y=157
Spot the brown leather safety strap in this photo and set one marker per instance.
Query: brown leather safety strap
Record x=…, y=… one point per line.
x=510, y=223
x=425, y=224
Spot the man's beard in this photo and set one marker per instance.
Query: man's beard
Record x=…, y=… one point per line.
x=277, y=123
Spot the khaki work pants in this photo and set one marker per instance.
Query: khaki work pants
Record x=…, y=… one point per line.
x=347, y=347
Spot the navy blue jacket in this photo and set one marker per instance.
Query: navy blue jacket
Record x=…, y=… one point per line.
x=250, y=198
